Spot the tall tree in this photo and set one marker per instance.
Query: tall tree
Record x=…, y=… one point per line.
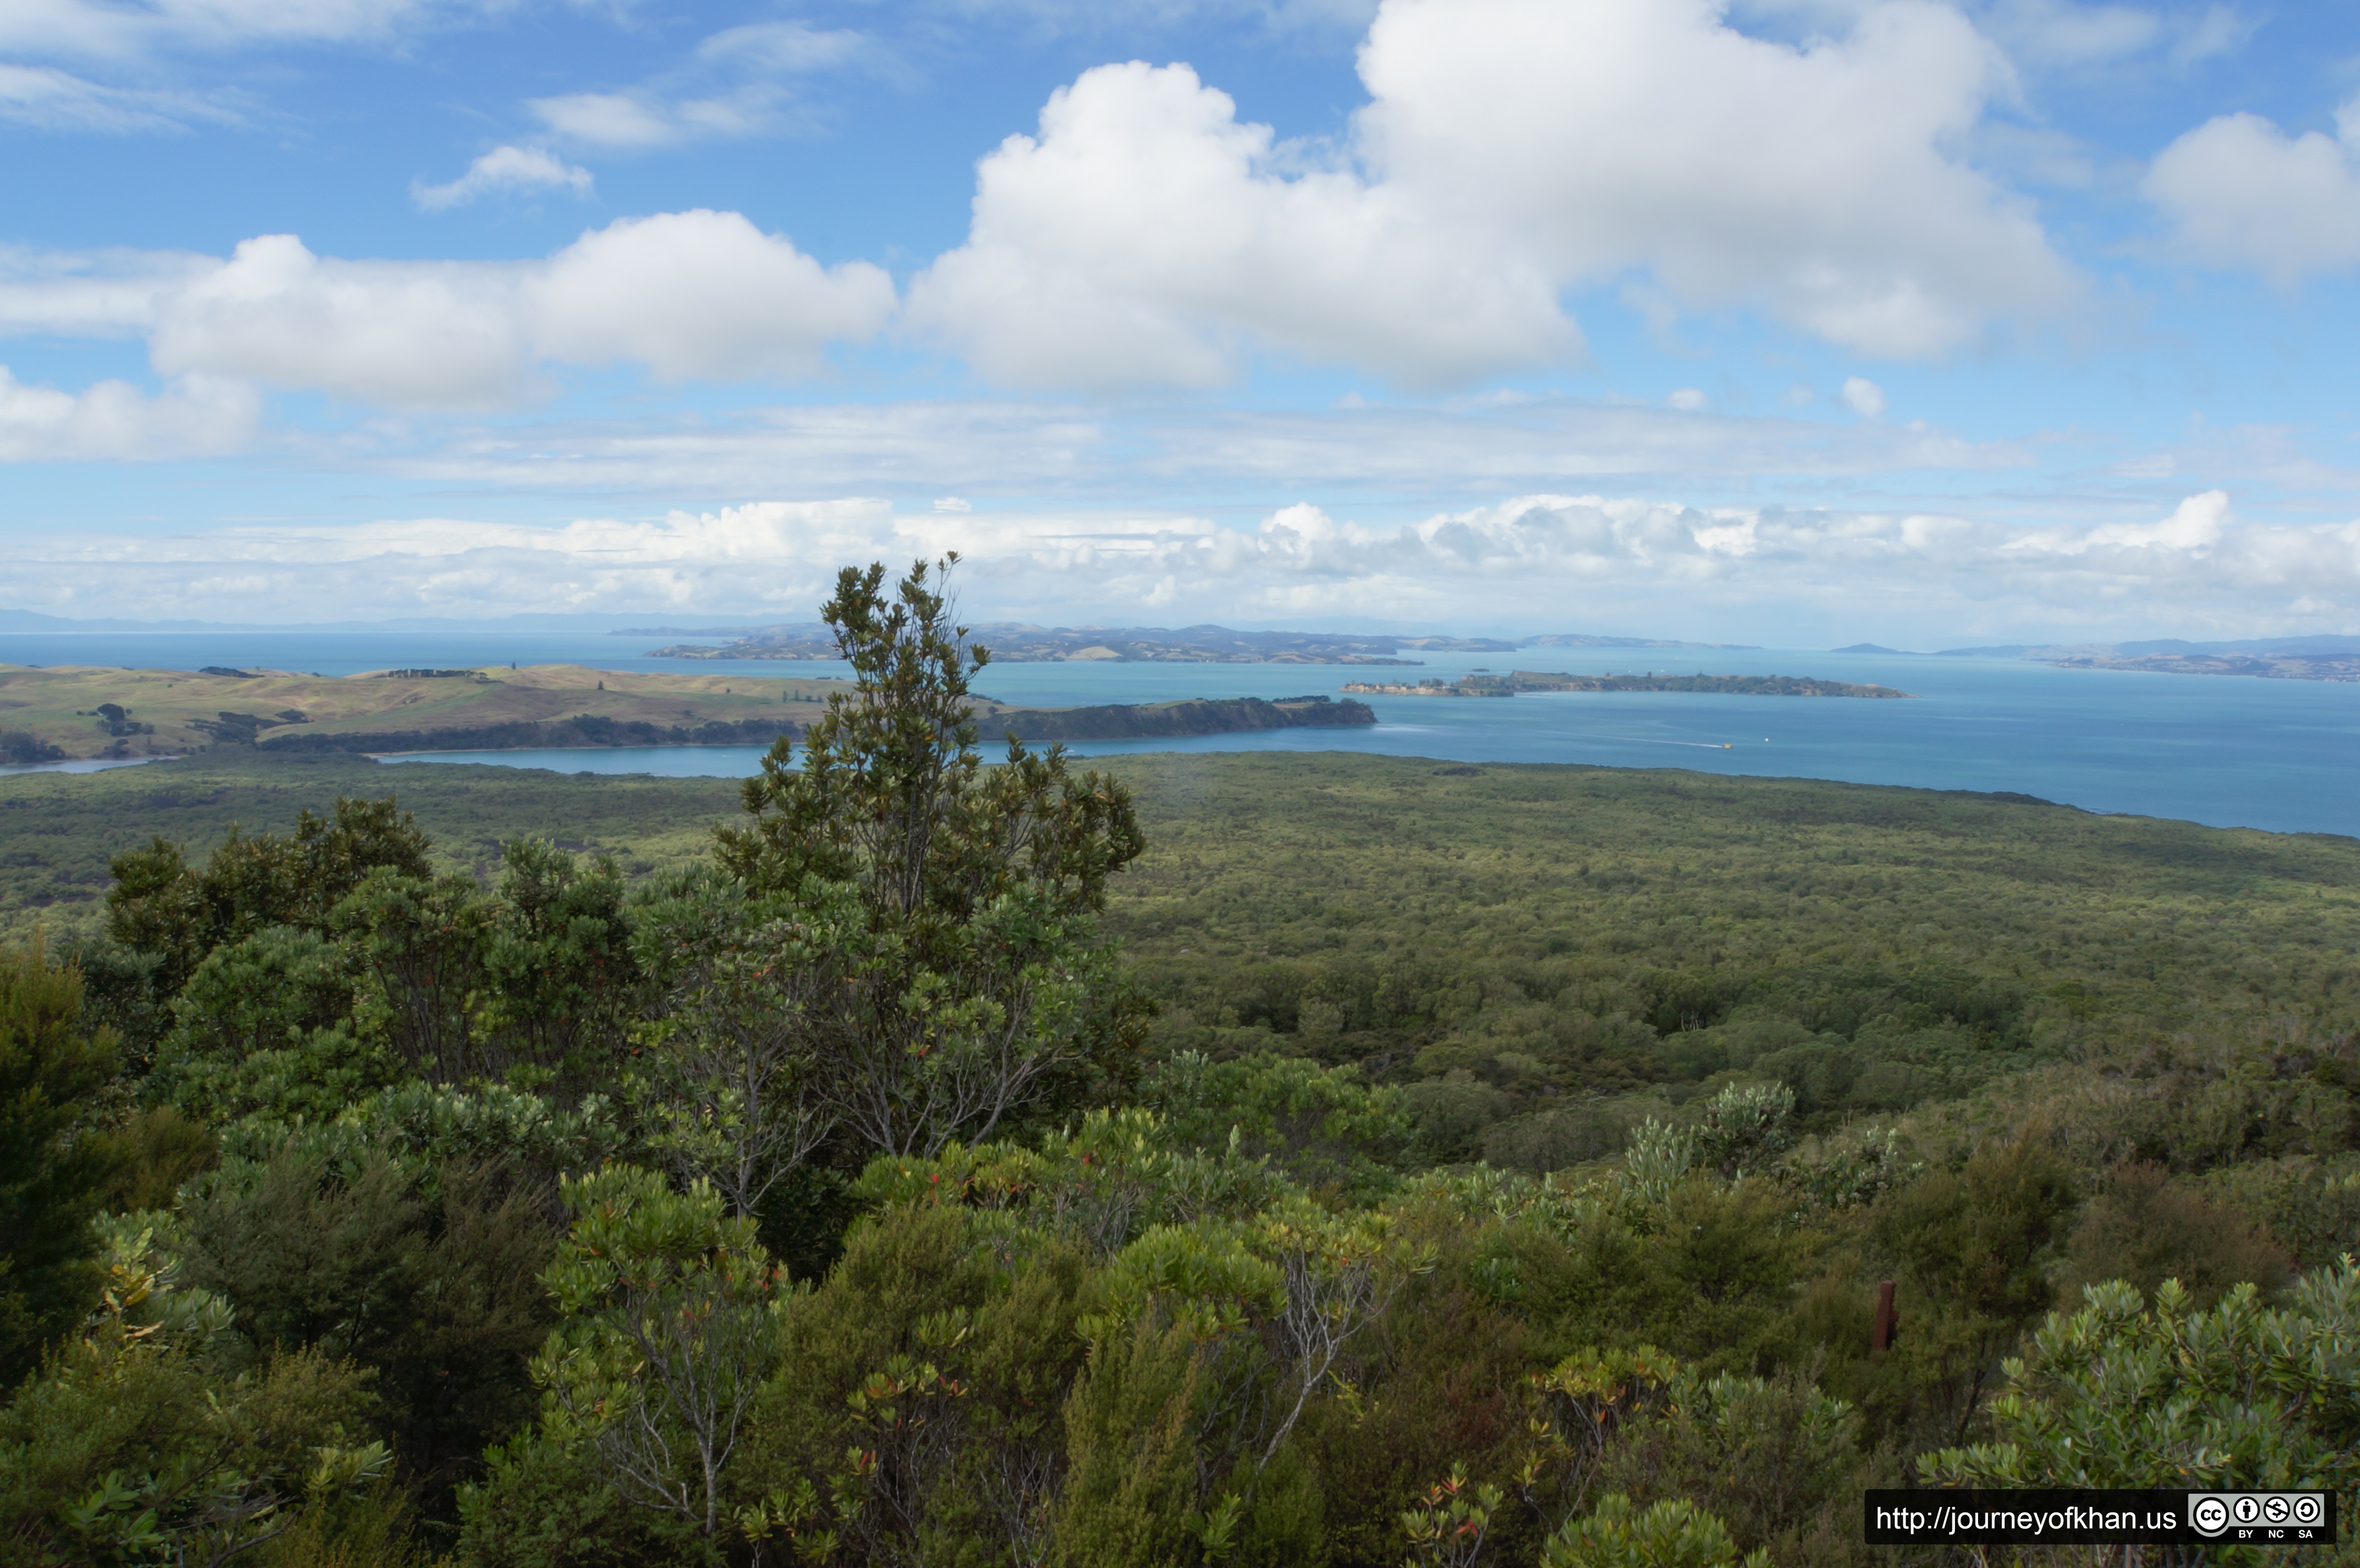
x=953, y=907
x=50, y=1172
x=557, y=956
x=161, y=905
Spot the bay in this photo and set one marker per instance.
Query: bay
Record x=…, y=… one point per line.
x=2281, y=755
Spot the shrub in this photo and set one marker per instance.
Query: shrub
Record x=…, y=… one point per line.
x=146, y=1438
x=1100, y=1185
x=1979, y=1238
x=553, y=1505
x=153, y=1154
x=1774, y=1458
x=2144, y=1227
x=668, y=1328
x=2310, y=1205
x=894, y=1320
x=1320, y=1124
x=1452, y=1114
x=266, y=1027
x=1674, y=1533
x=2128, y=1394
x=1554, y=1140
x=432, y=1284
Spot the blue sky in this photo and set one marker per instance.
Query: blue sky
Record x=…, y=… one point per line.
x=1784, y=321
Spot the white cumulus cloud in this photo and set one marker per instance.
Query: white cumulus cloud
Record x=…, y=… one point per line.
x=1511, y=148
x=504, y=168
x=411, y=334
x=696, y=294
x=700, y=295
x=116, y=421
x=2195, y=528
x=2239, y=193
x=101, y=294
x=1817, y=182
x=1145, y=230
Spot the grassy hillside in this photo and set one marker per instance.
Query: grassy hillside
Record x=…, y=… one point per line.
x=49, y=715
x=171, y=711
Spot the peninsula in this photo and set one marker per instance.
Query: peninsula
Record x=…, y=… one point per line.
x=1485, y=685
x=78, y=713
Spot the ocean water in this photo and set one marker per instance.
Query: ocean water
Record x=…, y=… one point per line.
x=100, y=765
x=2281, y=755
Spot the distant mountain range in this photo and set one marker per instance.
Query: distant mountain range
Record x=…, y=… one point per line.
x=33, y=623
x=2166, y=648
x=1027, y=644
x=2314, y=656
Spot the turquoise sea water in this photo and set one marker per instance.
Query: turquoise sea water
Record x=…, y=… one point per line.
x=2283, y=755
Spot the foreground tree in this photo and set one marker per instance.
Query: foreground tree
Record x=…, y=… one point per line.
x=49, y=1173
x=947, y=911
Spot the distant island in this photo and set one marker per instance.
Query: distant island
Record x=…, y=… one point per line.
x=1015, y=644
x=75, y=713
x=1545, y=680
x=2311, y=658
x=2268, y=667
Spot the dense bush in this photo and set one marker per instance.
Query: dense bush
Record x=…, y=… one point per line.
x=1508, y=1178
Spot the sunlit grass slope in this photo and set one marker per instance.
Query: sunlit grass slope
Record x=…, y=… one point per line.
x=178, y=712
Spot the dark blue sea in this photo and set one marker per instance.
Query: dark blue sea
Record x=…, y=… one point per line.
x=2229, y=751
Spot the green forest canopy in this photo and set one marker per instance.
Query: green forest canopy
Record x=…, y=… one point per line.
x=1416, y=907
x=1412, y=1160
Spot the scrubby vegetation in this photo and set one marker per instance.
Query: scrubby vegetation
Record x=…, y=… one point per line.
x=60, y=834
x=1241, y=1160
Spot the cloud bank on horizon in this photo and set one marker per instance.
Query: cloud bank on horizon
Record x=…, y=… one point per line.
x=1979, y=314
x=1538, y=563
